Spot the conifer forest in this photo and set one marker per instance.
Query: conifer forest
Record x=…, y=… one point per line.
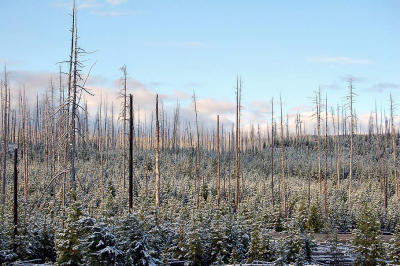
x=113, y=185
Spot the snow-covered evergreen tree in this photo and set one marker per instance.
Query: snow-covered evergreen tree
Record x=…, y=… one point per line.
x=219, y=252
x=367, y=240
x=394, y=247
x=133, y=242
x=98, y=244
x=195, y=251
x=67, y=239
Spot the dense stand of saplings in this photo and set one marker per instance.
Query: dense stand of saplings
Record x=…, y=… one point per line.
x=178, y=194
x=97, y=229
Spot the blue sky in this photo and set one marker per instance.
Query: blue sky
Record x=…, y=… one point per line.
x=288, y=47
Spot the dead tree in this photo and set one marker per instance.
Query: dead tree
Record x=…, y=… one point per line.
x=15, y=232
x=130, y=152
x=319, y=140
x=272, y=152
x=326, y=156
x=237, y=142
x=73, y=114
x=67, y=107
x=218, y=164
x=283, y=165
x=197, y=177
x=396, y=182
x=157, y=170
x=338, y=149
x=350, y=97
x=124, y=96
x=5, y=135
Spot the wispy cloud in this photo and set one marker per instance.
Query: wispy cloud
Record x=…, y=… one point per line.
x=339, y=60
x=261, y=107
x=192, y=85
x=301, y=108
x=178, y=44
x=80, y=4
x=9, y=62
x=116, y=2
x=384, y=86
x=182, y=95
x=332, y=86
x=116, y=13
x=353, y=78
x=195, y=44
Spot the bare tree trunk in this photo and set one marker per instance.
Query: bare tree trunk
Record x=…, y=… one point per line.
x=319, y=140
x=5, y=133
x=157, y=170
x=338, y=150
x=326, y=156
x=73, y=117
x=71, y=58
x=237, y=142
x=283, y=166
x=351, y=138
x=15, y=232
x=272, y=152
x=123, y=94
x=130, y=152
x=218, y=163
x=396, y=183
x=197, y=152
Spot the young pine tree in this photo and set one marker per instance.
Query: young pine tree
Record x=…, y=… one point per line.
x=67, y=239
x=367, y=241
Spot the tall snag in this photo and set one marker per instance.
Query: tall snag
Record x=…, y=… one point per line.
x=272, y=152
x=197, y=177
x=5, y=134
x=123, y=134
x=237, y=141
x=326, y=156
x=157, y=167
x=350, y=98
x=396, y=182
x=218, y=163
x=15, y=232
x=130, y=152
x=283, y=166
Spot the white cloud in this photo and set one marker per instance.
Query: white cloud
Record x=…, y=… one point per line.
x=116, y=2
x=80, y=4
x=339, y=60
x=116, y=13
x=178, y=44
x=182, y=95
x=384, y=86
x=301, y=108
x=261, y=107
